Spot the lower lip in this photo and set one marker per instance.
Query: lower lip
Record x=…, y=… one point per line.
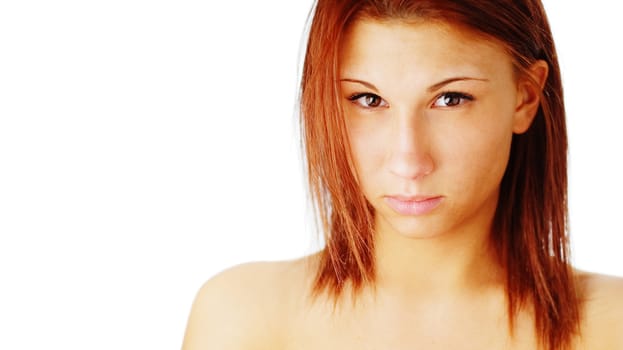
x=410, y=207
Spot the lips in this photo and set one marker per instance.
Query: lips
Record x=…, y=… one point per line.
x=413, y=205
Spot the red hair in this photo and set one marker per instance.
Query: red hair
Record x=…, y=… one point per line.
x=530, y=223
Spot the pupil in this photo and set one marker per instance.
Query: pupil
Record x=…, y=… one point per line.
x=371, y=101
x=451, y=100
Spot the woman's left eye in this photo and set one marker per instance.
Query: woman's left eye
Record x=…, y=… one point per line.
x=451, y=99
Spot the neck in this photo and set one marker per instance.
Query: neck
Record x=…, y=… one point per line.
x=451, y=263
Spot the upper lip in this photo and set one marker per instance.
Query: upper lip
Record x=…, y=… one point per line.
x=411, y=198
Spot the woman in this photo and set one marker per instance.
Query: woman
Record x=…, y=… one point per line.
x=436, y=147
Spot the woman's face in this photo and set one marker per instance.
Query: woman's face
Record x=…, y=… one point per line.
x=430, y=111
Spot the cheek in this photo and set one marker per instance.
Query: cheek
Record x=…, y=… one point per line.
x=368, y=144
x=478, y=158
x=469, y=152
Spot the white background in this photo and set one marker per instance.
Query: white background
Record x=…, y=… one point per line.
x=147, y=145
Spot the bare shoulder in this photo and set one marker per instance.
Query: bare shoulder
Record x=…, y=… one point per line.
x=602, y=311
x=244, y=307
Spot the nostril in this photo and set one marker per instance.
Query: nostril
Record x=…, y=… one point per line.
x=411, y=165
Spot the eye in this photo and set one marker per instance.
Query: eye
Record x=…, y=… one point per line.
x=452, y=99
x=367, y=100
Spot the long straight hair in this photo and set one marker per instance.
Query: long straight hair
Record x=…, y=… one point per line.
x=530, y=222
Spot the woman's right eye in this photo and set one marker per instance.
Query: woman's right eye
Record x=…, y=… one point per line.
x=368, y=100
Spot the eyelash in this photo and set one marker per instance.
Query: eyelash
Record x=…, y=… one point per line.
x=447, y=94
x=454, y=94
x=356, y=96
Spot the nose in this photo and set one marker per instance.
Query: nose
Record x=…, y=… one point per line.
x=410, y=157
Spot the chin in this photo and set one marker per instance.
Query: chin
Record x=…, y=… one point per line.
x=413, y=227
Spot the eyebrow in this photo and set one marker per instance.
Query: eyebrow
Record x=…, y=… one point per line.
x=440, y=84
x=431, y=88
x=364, y=83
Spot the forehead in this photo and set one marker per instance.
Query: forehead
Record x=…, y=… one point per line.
x=416, y=46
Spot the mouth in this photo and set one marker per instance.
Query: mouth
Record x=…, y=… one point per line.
x=413, y=205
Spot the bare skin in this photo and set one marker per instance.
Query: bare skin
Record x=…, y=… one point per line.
x=430, y=111
x=266, y=306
